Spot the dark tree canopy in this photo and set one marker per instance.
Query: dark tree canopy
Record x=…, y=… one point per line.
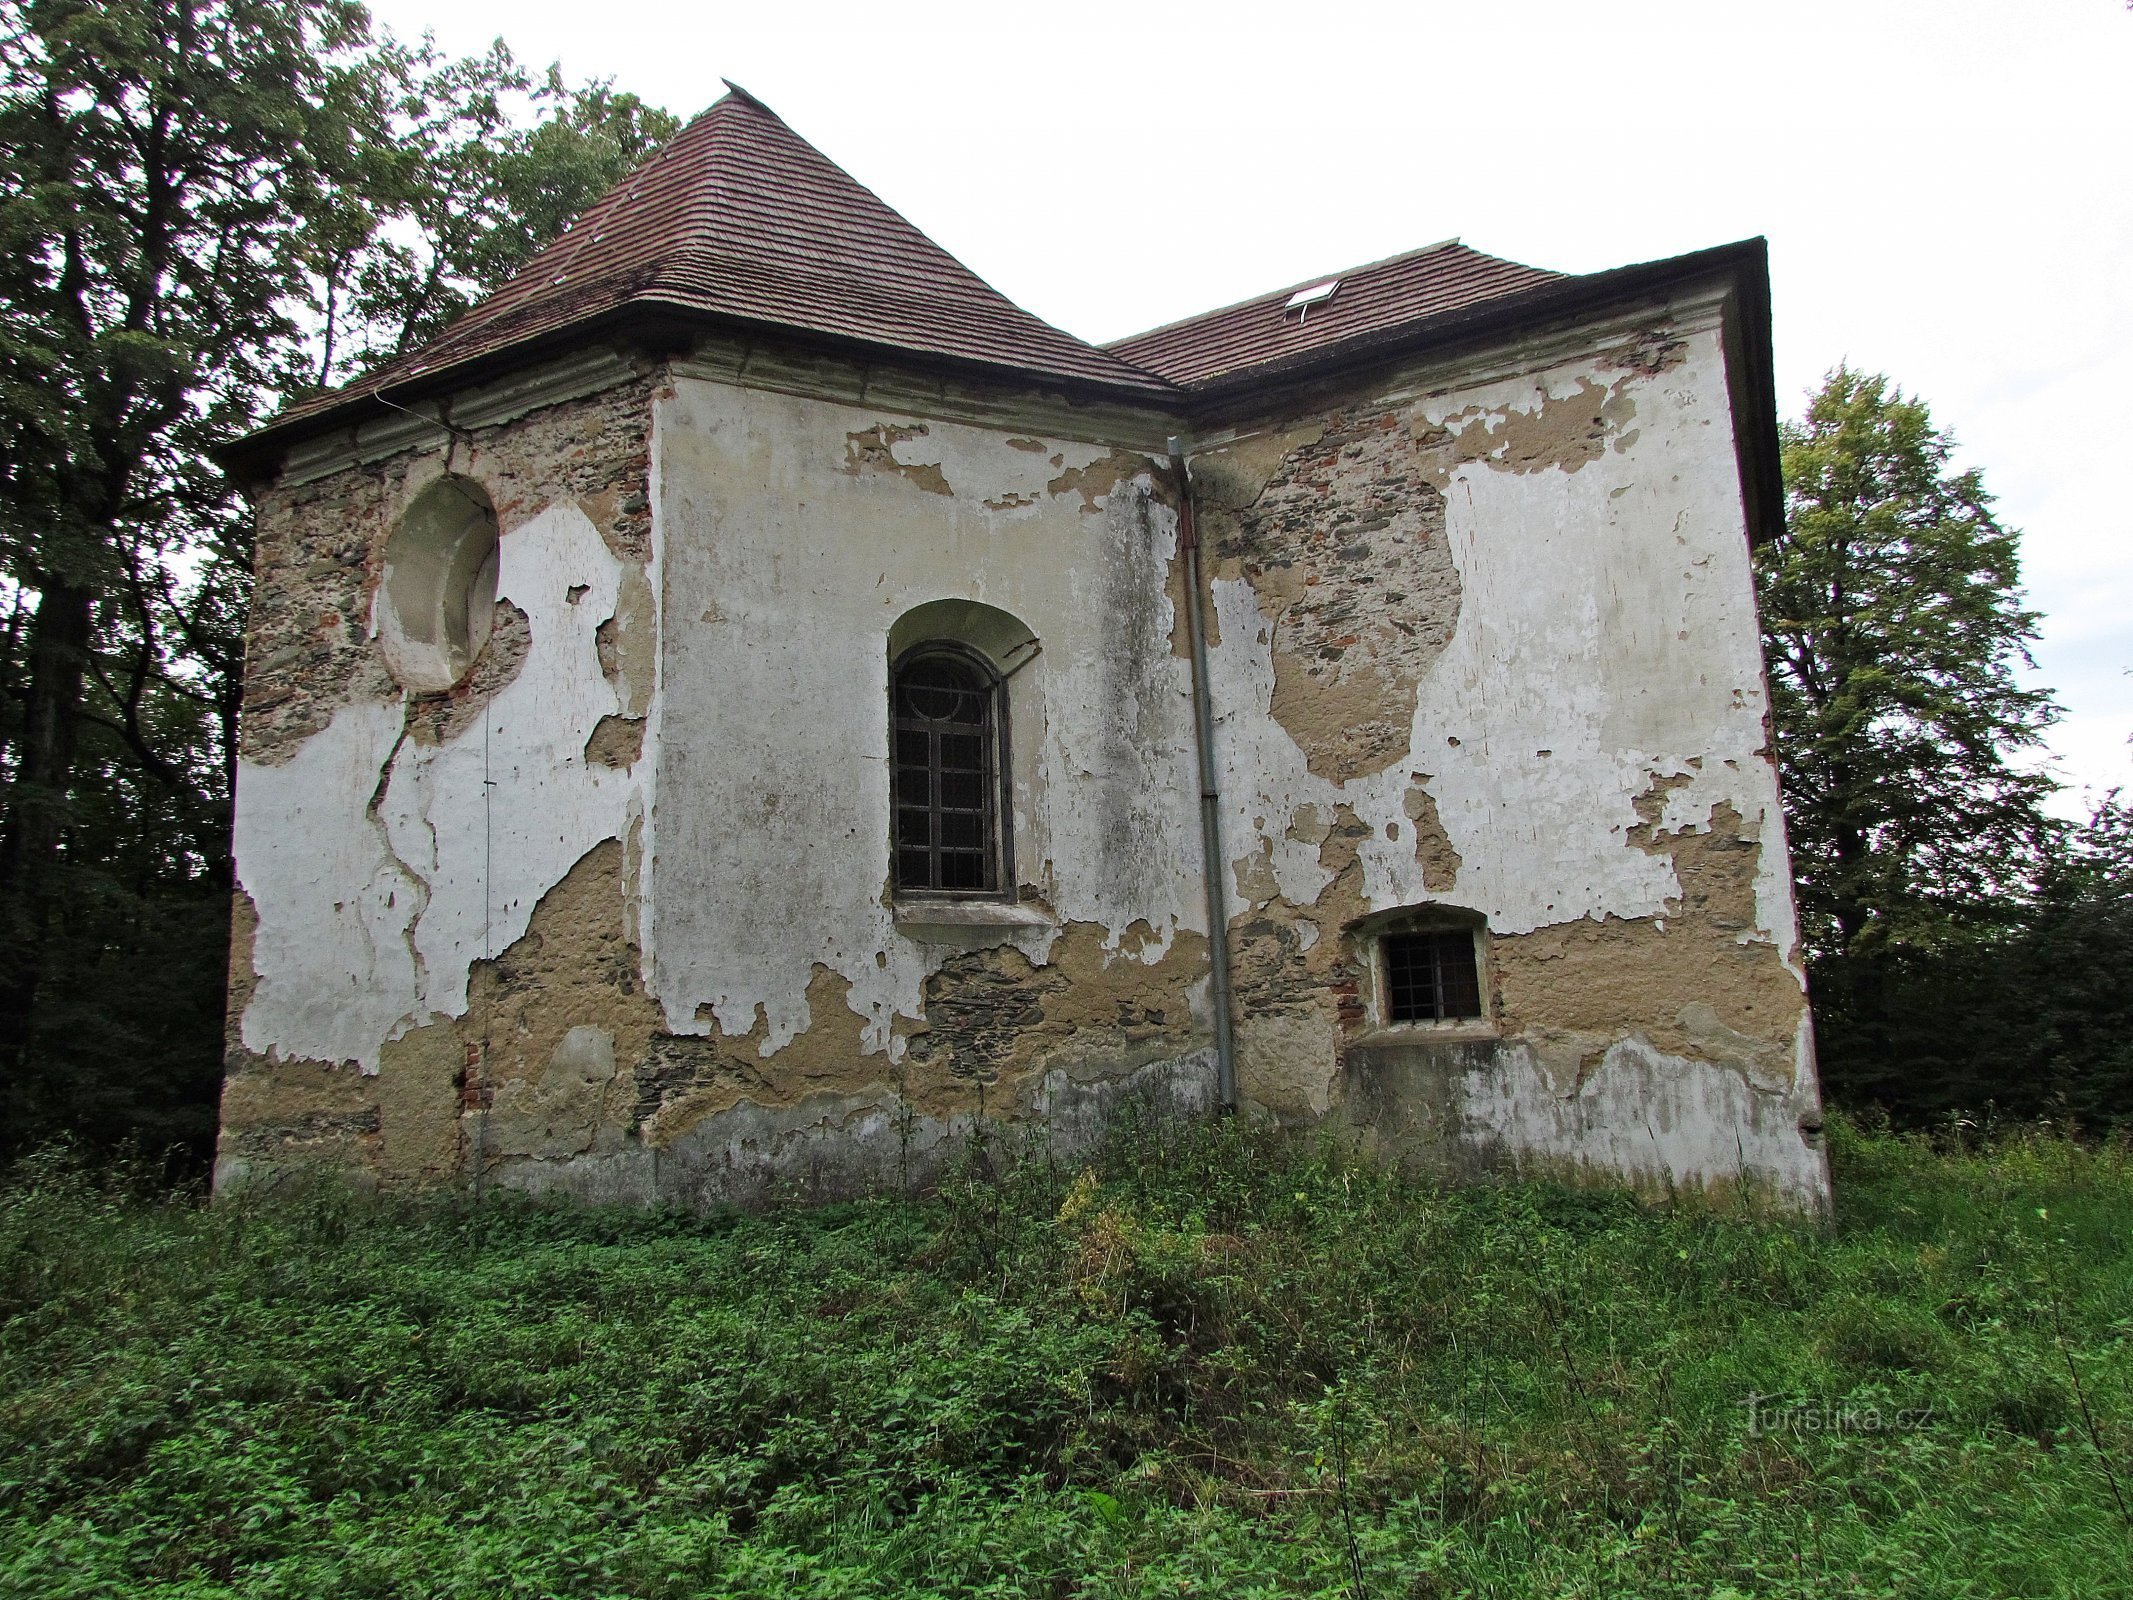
x=2034, y=1019
x=1968, y=951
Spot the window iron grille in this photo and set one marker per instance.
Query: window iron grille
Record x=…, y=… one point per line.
x=948, y=735
x=1431, y=977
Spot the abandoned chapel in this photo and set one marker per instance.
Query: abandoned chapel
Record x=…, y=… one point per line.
x=748, y=707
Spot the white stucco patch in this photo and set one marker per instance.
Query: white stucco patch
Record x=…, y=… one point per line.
x=494, y=819
x=1644, y=1113
x=1266, y=779
x=784, y=564
x=467, y=837
x=335, y=971
x=976, y=463
x=1606, y=640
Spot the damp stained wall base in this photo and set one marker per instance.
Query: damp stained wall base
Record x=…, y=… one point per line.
x=847, y=1146
x=1461, y=1110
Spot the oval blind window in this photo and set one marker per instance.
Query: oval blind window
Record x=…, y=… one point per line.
x=439, y=589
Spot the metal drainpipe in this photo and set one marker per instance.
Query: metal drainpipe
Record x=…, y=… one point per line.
x=1203, y=728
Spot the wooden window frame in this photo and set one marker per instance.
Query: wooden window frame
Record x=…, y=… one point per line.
x=998, y=826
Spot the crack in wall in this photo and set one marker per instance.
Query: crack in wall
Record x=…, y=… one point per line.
x=464, y=876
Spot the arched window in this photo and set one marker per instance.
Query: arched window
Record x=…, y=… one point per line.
x=948, y=720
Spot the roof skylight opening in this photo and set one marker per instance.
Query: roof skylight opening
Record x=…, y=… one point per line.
x=1317, y=294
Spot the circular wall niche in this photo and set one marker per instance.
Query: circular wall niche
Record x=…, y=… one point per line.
x=439, y=589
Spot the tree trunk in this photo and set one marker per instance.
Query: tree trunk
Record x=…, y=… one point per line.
x=37, y=803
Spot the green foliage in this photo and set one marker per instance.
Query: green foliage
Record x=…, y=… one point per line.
x=1963, y=945
x=155, y=157
x=491, y=164
x=1893, y=625
x=1216, y=1362
x=2034, y=1019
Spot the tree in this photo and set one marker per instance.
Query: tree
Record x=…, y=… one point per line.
x=206, y=207
x=2069, y=978
x=1893, y=628
x=501, y=162
x=2036, y=1020
x=153, y=156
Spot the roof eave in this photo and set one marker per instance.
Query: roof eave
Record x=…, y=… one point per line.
x=256, y=456
x=660, y=327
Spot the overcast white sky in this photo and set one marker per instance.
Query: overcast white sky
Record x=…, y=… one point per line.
x=1947, y=188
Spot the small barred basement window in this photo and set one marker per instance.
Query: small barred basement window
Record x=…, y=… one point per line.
x=948, y=721
x=1430, y=977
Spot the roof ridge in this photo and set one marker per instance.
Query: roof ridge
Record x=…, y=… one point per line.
x=704, y=234
x=917, y=235
x=743, y=94
x=1302, y=283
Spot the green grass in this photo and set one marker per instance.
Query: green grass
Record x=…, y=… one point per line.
x=1219, y=1363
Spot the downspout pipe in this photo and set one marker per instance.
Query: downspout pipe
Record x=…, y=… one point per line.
x=1203, y=729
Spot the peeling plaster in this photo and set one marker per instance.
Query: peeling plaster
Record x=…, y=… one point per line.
x=336, y=972
x=1590, y=737
x=724, y=1005
x=830, y=1146
x=494, y=819
x=1632, y=658
x=454, y=842
x=769, y=731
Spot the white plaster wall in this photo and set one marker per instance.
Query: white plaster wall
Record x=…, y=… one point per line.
x=1606, y=639
x=1641, y=1111
x=336, y=974
x=381, y=869
x=781, y=572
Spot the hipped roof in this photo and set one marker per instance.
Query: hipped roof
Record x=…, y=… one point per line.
x=1395, y=293
x=738, y=219
x=739, y=223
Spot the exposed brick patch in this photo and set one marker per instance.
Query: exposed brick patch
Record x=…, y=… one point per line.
x=1345, y=548
x=874, y=450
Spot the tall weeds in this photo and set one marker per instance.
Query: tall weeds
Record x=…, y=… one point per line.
x=1215, y=1360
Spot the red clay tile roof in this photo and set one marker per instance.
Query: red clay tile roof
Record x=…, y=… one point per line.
x=1400, y=292
x=739, y=218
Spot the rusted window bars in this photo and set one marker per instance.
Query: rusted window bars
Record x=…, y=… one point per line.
x=1430, y=977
